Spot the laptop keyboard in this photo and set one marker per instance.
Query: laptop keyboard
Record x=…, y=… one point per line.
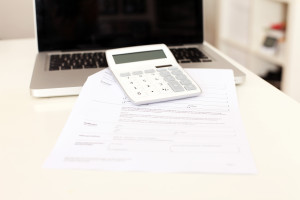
x=189, y=55
x=98, y=59
x=77, y=61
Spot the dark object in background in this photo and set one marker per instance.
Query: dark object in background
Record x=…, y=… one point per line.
x=270, y=42
x=274, y=77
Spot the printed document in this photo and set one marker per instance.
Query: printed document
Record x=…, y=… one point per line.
x=201, y=134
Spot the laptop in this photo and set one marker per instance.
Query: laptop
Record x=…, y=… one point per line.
x=72, y=36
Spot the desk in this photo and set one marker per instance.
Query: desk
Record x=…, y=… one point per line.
x=30, y=127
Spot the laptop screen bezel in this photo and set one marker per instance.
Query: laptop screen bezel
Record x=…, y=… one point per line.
x=44, y=48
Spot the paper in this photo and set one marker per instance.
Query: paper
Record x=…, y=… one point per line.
x=200, y=134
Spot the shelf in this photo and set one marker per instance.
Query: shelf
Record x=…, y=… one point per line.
x=281, y=1
x=277, y=60
x=243, y=27
x=272, y=59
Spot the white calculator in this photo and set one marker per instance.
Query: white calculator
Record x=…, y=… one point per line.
x=150, y=74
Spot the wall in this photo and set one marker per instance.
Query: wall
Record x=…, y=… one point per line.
x=16, y=19
x=211, y=12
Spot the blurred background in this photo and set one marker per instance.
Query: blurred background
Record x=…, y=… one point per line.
x=259, y=34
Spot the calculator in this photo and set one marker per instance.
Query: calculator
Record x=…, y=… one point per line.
x=150, y=74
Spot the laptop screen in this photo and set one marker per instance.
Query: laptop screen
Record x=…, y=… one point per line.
x=103, y=24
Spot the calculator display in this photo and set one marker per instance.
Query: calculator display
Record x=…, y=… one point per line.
x=139, y=56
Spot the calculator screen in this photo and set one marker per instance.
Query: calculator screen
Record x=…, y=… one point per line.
x=139, y=56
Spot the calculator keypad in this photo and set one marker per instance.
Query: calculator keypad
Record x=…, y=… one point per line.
x=156, y=81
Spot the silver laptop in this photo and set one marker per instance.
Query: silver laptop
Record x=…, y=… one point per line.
x=72, y=36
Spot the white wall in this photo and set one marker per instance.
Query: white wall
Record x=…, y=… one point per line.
x=211, y=10
x=16, y=19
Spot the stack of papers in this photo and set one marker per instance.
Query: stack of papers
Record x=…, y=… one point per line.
x=199, y=134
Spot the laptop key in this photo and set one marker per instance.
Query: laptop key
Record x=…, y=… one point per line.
x=54, y=68
x=195, y=60
x=90, y=66
x=184, y=61
x=65, y=67
x=77, y=67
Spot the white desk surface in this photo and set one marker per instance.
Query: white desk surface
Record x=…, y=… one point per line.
x=29, y=128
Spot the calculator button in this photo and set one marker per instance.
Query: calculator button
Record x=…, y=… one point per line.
x=165, y=90
x=160, y=84
x=147, y=86
x=165, y=73
x=185, y=82
x=136, y=91
x=161, y=69
x=190, y=87
x=176, y=72
x=176, y=87
x=154, y=79
x=144, y=80
x=125, y=74
x=151, y=91
x=137, y=72
x=181, y=77
x=174, y=82
x=169, y=78
x=172, y=68
x=149, y=71
x=130, y=80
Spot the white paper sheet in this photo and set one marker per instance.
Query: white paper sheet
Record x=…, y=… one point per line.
x=200, y=134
